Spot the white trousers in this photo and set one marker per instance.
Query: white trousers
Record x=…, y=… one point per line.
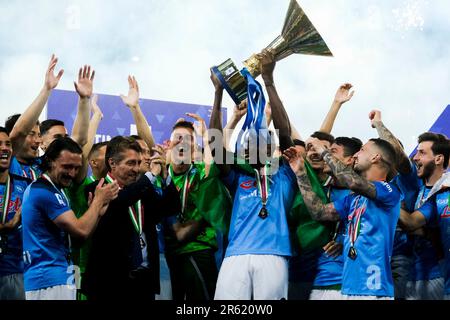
x=346, y=297
x=318, y=294
x=258, y=277
x=62, y=292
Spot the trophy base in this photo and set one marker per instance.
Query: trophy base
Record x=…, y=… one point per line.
x=232, y=80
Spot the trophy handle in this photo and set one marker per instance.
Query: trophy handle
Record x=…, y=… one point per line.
x=225, y=85
x=253, y=65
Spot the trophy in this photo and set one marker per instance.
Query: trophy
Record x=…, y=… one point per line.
x=298, y=36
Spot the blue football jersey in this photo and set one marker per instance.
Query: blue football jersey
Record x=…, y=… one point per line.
x=250, y=234
x=370, y=272
x=45, y=245
x=426, y=262
x=436, y=210
x=11, y=258
x=329, y=269
x=29, y=170
x=409, y=185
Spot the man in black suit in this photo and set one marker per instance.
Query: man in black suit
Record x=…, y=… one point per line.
x=124, y=258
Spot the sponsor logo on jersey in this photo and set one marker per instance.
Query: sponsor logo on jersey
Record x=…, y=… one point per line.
x=248, y=184
x=387, y=185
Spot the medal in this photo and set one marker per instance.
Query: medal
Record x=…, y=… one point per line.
x=263, y=188
x=354, y=226
x=6, y=200
x=188, y=182
x=263, y=213
x=352, y=253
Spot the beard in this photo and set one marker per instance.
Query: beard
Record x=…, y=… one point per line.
x=427, y=170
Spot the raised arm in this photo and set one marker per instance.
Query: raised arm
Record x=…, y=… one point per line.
x=294, y=133
x=403, y=162
x=238, y=112
x=343, y=95
x=280, y=117
x=317, y=209
x=215, y=126
x=202, y=131
x=97, y=116
x=84, y=88
x=345, y=175
x=28, y=119
x=132, y=102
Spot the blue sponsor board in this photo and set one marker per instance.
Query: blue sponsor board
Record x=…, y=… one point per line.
x=117, y=119
x=441, y=125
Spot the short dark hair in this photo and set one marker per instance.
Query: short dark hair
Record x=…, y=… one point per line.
x=117, y=145
x=184, y=124
x=48, y=124
x=298, y=142
x=95, y=148
x=351, y=145
x=388, y=155
x=3, y=129
x=55, y=148
x=11, y=122
x=323, y=136
x=441, y=145
x=135, y=137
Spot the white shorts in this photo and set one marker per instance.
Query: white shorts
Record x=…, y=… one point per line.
x=319, y=294
x=346, y=297
x=425, y=289
x=62, y=292
x=251, y=276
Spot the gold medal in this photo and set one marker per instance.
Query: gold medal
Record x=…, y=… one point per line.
x=352, y=253
x=263, y=213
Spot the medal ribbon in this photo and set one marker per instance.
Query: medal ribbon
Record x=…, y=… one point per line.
x=421, y=198
x=263, y=184
x=92, y=179
x=60, y=191
x=354, y=228
x=6, y=199
x=188, y=180
x=135, y=211
x=33, y=175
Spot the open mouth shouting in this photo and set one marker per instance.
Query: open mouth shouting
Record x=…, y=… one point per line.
x=4, y=155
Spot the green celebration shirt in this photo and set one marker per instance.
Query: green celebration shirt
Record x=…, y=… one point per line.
x=208, y=199
x=79, y=205
x=306, y=233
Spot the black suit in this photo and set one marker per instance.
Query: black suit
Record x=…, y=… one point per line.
x=116, y=252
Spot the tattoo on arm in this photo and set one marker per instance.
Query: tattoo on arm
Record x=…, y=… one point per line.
x=318, y=210
x=348, y=178
x=403, y=163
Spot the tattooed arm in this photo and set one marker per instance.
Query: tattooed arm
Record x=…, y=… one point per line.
x=348, y=178
x=318, y=210
x=403, y=163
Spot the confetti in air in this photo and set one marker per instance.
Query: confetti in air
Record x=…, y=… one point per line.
x=408, y=16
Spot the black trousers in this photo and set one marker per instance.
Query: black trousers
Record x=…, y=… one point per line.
x=193, y=275
x=137, y=285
